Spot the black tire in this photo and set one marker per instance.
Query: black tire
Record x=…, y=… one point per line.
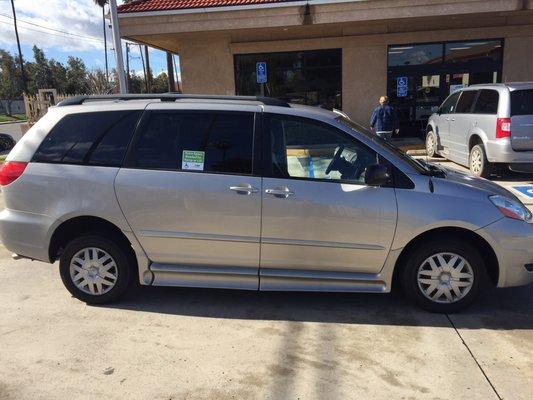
x=431, y=145
x=478, y=163
x=117, y=253
x=410, y=274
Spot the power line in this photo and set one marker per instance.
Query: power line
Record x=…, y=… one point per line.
x=50, y=33
x=52, y=29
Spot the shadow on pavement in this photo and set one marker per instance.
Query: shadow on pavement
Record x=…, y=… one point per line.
x=497, y=309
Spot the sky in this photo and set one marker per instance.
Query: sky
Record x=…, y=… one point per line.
x=64, y=28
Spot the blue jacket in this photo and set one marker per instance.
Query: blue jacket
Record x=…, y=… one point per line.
x=384, y=119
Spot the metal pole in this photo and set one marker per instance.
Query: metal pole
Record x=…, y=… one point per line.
x=24, y=87
x=128, y=77
x=170, y=72
x=144, y=69
x=118, y=46
x=148, y=72
x=105, y=45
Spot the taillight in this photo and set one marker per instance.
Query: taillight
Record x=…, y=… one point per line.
x=503, y=128
x=10, y=171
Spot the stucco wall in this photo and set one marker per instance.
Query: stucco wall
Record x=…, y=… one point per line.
x=364, y=79
x=207, y=66
x=518, y=59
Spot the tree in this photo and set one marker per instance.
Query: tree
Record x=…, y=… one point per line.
x=160, y=83
x=98, y=83
x=76, y=77
x=10, y=82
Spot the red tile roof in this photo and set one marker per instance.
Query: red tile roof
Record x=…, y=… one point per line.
x=167, y=5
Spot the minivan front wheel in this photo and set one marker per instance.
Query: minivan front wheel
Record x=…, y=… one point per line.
x=479, y=165
x=431, y=144
x=443, y=276
x=94, y=269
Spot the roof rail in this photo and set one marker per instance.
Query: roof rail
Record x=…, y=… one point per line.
x=78, y=100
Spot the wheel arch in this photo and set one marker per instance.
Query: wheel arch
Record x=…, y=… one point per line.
x=79, y=225
x=487, y=253
x=476, y=137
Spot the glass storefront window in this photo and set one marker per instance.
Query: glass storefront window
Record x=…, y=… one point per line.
x=415, y=54
x=421, y=76
x=465, y=52
x=302, y=77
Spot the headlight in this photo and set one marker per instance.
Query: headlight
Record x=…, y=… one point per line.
x=511, y=208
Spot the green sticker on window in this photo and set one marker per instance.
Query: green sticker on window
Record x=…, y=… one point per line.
x=193, y=160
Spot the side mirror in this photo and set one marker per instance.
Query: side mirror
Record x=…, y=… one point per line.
x=377, y=175
x=436, y=109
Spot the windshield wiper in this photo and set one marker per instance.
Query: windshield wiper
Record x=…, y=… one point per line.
x=435, y=170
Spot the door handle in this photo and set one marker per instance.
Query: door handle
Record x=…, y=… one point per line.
x=281, y=193
x=453, y=119
x=244, y=189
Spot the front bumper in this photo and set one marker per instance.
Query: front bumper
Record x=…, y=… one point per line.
x=512, y=241
x=500, y=151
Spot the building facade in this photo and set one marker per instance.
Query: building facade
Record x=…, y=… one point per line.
x=340, y=53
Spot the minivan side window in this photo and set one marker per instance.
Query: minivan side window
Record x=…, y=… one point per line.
x=303, y=148
x=206, y=141
x=487, y=102
x=448, y=107
x=466, y=101
x=89, y=138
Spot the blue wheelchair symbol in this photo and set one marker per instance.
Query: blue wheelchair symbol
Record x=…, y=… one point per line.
x=526, y=191
x=261, y=72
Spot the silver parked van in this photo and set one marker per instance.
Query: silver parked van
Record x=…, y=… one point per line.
x=484, y=127
x=253, y=194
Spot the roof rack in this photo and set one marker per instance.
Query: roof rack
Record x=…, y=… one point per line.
x=78, y=100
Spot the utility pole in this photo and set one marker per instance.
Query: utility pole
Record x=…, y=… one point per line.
x=118, y=45
x=24, y=86
x=148, y=72
x=128, y=78
x=170, y=72
x=144, y=69
x=105, y=44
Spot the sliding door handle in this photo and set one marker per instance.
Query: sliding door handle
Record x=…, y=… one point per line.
x=244, y=189
x=281, y=193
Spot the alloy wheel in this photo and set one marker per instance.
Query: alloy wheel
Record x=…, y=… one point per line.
x=93, y=271
x=445, y=277
x=430, y=145
x=476, y=161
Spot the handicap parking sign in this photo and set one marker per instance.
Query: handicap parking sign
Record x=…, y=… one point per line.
x=401, y=86
x=526, y=190
x=261, y=72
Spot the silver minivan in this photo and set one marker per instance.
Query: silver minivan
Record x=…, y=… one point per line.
x=485, y=127
x=253, y=194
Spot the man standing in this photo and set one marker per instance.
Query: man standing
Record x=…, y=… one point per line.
x=384, y=119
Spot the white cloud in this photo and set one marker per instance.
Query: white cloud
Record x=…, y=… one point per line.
x=79, y=17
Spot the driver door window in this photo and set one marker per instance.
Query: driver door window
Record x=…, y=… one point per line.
x=302, y=148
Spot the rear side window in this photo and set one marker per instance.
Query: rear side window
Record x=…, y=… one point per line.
x=522, y=102
x=195, y=141
x=466, y=101
x=487, y=102
x=89, y=138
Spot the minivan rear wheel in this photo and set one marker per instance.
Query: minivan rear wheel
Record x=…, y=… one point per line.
x=479, y=165
x=95, y=269
x=443, y=276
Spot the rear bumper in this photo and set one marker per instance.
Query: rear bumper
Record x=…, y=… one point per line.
x=512, y=242
x=25, y=233
x=500, y=151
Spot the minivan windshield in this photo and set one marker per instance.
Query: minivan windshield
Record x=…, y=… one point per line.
x=419, y=166
x=522, y=102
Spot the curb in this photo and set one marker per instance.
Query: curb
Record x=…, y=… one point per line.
x=416, y=152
